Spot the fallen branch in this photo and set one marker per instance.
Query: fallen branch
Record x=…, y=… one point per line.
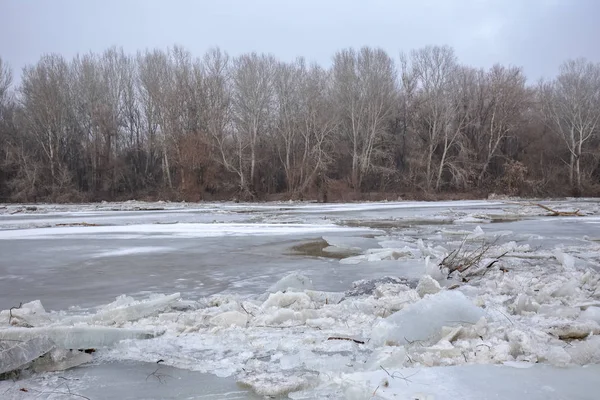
x=10, y=316
x=556, y=213
x=397, y=374
x=462, y=259
x=345, y=338
x=160, y=377
x=77, y=224
x=246, y=311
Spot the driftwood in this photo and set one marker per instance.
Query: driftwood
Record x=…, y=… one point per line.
x=77, y=224
x=345, y=338
x=556, y=213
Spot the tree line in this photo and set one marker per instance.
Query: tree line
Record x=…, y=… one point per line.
x=163, y=124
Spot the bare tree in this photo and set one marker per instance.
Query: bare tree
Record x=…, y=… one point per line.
x=99, y=92
x=48, y=114
x=506, y=101
x=435, y=68
x=155, y=82
x=570, y=106
x=252, y=80
x=288, y=80
x=5, y=142
x=364, y=85
x=305, y=123
x=5, y=83
x=318, y=123
x=215, y=72
x=163, y=123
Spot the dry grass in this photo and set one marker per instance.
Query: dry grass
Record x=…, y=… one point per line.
x=468, y=262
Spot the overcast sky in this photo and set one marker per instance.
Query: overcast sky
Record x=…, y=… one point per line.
x=535, y=34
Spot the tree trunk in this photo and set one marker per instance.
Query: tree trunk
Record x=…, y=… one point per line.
x=252, y=166
x=571, y=169
x=167, y=170
x=578, y=175
x=442, y=163
x=429, y=161
x=355, y=183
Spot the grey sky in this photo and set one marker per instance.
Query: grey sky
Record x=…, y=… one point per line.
x=535, y=34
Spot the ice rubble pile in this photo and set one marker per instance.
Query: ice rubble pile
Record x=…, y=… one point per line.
x=31, y=337
x=295, y=338
x=532, y=307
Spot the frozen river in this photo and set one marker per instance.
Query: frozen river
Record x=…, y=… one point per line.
x=197, y=251
x=79, y=258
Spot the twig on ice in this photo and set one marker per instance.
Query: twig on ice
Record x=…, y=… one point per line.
x=160, y=377
x=345, y=338
x=399, y=375
x=10, y=316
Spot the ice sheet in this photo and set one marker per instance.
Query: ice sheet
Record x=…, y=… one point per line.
x=474, y=382
x=126, y=251
x=170, y=230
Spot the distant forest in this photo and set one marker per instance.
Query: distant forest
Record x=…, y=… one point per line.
x=162, y=124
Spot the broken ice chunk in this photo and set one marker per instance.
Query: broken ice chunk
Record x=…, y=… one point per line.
x=60, y=360
x=427, y=285
x=126, y=309
x=387, y=357
x=291, y=282
x=578, y=329
x=367, y=287
x=23, y=353
x=350, y=243
x=591, y=314
x=230, y=318
x=524, y=304
x=27, y=315
x=69, y=337
x=585, y=351
x=477, y=233
x=432, y=268
x=322, y=298
x=425, y=318
x=294, y=300
x=567, y=260
x=269, y=384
